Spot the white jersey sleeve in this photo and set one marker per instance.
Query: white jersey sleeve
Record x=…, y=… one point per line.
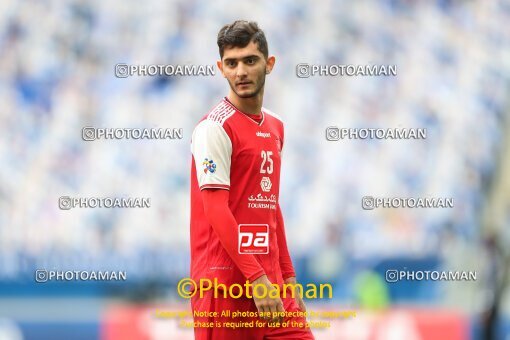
x=212, y=150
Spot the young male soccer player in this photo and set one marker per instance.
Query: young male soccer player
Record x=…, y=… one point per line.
x=237, y=229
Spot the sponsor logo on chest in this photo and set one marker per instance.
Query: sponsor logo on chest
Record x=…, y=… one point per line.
x=263, y=134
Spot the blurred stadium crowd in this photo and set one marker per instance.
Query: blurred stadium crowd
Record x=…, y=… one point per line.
x=57, y=75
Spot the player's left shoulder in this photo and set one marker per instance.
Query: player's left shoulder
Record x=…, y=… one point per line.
x=272, y=116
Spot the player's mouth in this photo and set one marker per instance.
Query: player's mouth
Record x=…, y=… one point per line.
x=244, y=83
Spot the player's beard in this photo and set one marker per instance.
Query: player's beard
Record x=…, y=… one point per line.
x=259, y=83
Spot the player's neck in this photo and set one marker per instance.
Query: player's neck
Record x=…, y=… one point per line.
x=252, y=105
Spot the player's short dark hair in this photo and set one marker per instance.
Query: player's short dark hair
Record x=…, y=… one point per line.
x=239, y=34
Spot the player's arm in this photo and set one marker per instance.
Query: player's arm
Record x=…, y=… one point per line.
x=285, y=260
x=288, y=272
x=212, y=150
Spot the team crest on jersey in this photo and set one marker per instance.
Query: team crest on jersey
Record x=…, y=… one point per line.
x=266, y=184
x=209, y=165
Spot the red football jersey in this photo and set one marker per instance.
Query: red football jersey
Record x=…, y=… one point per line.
x=234, y=152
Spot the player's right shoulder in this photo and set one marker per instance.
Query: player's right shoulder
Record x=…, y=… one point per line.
x=214, y=123
x=220, y=113
x=212, y=128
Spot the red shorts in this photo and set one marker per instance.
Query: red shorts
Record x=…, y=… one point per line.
x=235, y=328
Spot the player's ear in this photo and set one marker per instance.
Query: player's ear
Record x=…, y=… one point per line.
x=220, y=66
x=270, y=63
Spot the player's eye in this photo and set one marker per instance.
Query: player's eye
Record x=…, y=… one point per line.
x=250, y=61
x=230, y=63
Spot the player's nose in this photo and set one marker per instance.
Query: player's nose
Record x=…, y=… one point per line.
x=241, y=71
